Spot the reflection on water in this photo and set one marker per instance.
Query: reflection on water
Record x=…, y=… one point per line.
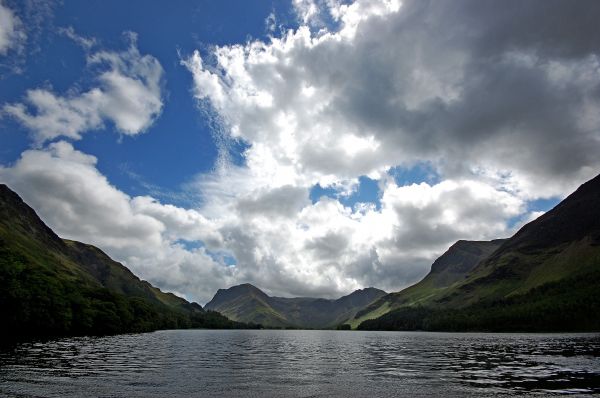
x=261, y=363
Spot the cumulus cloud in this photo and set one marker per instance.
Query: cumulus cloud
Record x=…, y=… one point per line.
x=11, y=32
x=285, y=202
x=128, y=95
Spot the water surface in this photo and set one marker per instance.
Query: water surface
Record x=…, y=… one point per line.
x=270, y=363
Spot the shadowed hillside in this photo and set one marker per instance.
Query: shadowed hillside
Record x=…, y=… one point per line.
x=52, y=286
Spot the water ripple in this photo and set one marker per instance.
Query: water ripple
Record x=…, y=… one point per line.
x=268, y=363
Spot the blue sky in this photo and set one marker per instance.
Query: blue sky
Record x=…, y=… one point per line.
x=309, y=147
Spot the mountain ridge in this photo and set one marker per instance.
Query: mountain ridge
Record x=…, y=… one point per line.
x=247, y=303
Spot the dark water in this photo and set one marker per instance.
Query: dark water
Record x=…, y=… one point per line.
x=267, y=363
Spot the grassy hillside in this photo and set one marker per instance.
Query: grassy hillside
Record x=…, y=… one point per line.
x=545, y=277
x=51, y=286
x=568, y=305
x=246, y=303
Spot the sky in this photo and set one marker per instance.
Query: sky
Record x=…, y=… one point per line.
x=309, y=147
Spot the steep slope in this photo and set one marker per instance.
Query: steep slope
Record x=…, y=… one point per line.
x=246, y=303
x=450, y=268
x=545, y=277
x=51, y=286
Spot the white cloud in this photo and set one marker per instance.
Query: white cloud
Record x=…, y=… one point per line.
x=271, y=23
x=85, y=42
x=11, y=32
x=128, y=95
x=179, y=223
x=306, y=10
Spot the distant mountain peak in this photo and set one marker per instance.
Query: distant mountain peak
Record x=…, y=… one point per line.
x=247, y=303
x=365, y=291
x=241, y=289
x=248, y=286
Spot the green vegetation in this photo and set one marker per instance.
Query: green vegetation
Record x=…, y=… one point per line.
x=572, y=304
x=343, y=326
x=371, y=312
x=51, y=286
x=37, y=301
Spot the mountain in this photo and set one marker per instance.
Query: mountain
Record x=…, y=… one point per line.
x=54, y=286
x=247, y=303
x=544, y=278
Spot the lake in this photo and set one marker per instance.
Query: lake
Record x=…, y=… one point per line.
x=298, y=363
